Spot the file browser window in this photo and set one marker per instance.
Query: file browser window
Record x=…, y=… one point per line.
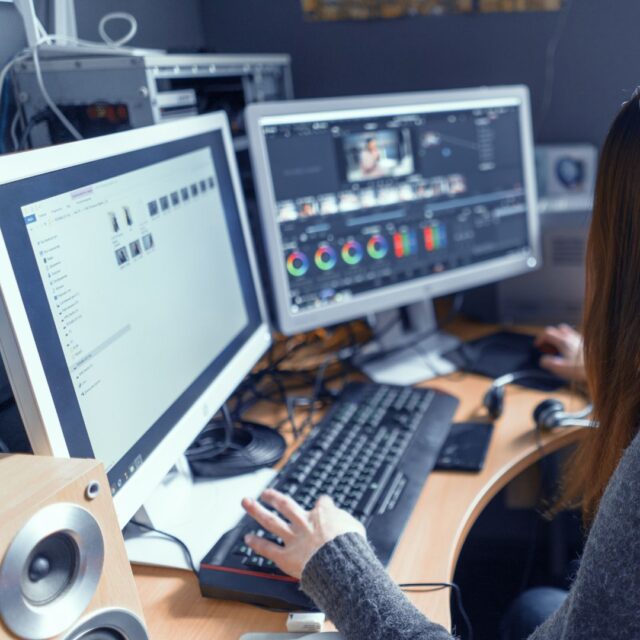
x=124, y=262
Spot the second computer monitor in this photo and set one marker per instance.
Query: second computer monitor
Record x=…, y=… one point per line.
x=129, y=301
x=370, y=203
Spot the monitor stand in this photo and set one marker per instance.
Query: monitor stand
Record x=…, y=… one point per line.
x=407, y=346
x=197, y=511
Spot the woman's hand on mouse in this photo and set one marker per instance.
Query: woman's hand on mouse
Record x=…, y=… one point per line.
x=567, y=361
x=302, y=532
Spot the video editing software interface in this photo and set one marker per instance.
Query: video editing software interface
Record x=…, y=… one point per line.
x=368, y=201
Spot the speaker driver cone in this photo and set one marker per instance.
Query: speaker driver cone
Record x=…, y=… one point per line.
x=102, y=634
x=50, y=571
x=110, y=624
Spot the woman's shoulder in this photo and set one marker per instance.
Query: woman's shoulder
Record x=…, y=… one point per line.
x=631, y=457
x=623, y=491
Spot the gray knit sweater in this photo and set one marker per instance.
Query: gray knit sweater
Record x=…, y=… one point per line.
x=347, y=582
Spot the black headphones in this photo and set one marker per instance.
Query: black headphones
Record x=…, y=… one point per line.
x=222, y=452
x=549, y=414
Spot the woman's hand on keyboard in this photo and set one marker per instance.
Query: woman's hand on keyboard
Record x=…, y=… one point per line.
x=302, y=532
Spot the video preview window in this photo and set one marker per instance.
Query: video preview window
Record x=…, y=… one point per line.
x=378, y=154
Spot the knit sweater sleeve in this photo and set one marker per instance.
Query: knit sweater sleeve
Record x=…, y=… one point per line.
x=603, y=601
x=346, y=580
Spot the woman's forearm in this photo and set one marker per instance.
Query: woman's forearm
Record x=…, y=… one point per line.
x=346, y=580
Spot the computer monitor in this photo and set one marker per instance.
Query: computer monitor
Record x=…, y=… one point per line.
x=130, y=306
x=371, y=203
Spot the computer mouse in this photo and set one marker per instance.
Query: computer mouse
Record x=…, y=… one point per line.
x=547, y=349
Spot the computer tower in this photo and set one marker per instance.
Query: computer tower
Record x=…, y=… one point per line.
x=566, y=176
x=554, y=293
x=104, y=94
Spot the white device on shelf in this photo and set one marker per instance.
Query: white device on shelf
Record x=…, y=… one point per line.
x=64, y=19
x=566, y=175
x=130, y=303
x=64, y=40
x=374, y=203
x=105, y=94
x=555, y=293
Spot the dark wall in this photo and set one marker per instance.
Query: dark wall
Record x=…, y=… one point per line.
x=12, y=37
x=161, y=23
x=597, y=63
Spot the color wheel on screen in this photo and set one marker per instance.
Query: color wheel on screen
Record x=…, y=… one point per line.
x=325, y=258
x=377, y=247
x=297, y=264
x=352, y=252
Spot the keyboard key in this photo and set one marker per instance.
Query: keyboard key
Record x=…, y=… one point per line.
x=242, y=550
x=372, y=495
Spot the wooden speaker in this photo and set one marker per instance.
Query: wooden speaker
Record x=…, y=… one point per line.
x=64, y=571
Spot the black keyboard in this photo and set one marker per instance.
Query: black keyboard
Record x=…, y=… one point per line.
x=372, y=454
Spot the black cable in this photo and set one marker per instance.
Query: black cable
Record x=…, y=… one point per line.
x=275, y=384
x=8, y=402
x=173, y=538
x=550, y=64
x=282, y=382
x=436, y=586
x=39, y=118
x=425, y=586
x=22, y=145
x=264, y=607
x=5, y=107
x=205, y=446
x=315, y=397
x=228, y=431
x=277, y=395
x=5, y=404
x=285, y=400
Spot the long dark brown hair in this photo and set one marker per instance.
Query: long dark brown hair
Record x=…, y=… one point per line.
x=611, y=323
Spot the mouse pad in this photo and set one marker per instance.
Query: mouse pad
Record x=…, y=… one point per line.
x=500, y=353
x=465, y=448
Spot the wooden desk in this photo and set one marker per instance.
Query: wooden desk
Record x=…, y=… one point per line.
x=428, y=550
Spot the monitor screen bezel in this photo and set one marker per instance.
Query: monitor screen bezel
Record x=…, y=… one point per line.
x=24, y=366
x=392, y=296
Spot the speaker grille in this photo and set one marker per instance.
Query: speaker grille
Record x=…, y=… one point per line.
x=110, y=624
x=51, y=571
x=102, y=634
x=568, y=251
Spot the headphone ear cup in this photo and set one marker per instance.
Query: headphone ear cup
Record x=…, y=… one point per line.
x=546, y=414
x=494, y=402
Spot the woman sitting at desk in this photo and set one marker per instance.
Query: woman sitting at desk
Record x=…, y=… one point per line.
x=327, y=549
